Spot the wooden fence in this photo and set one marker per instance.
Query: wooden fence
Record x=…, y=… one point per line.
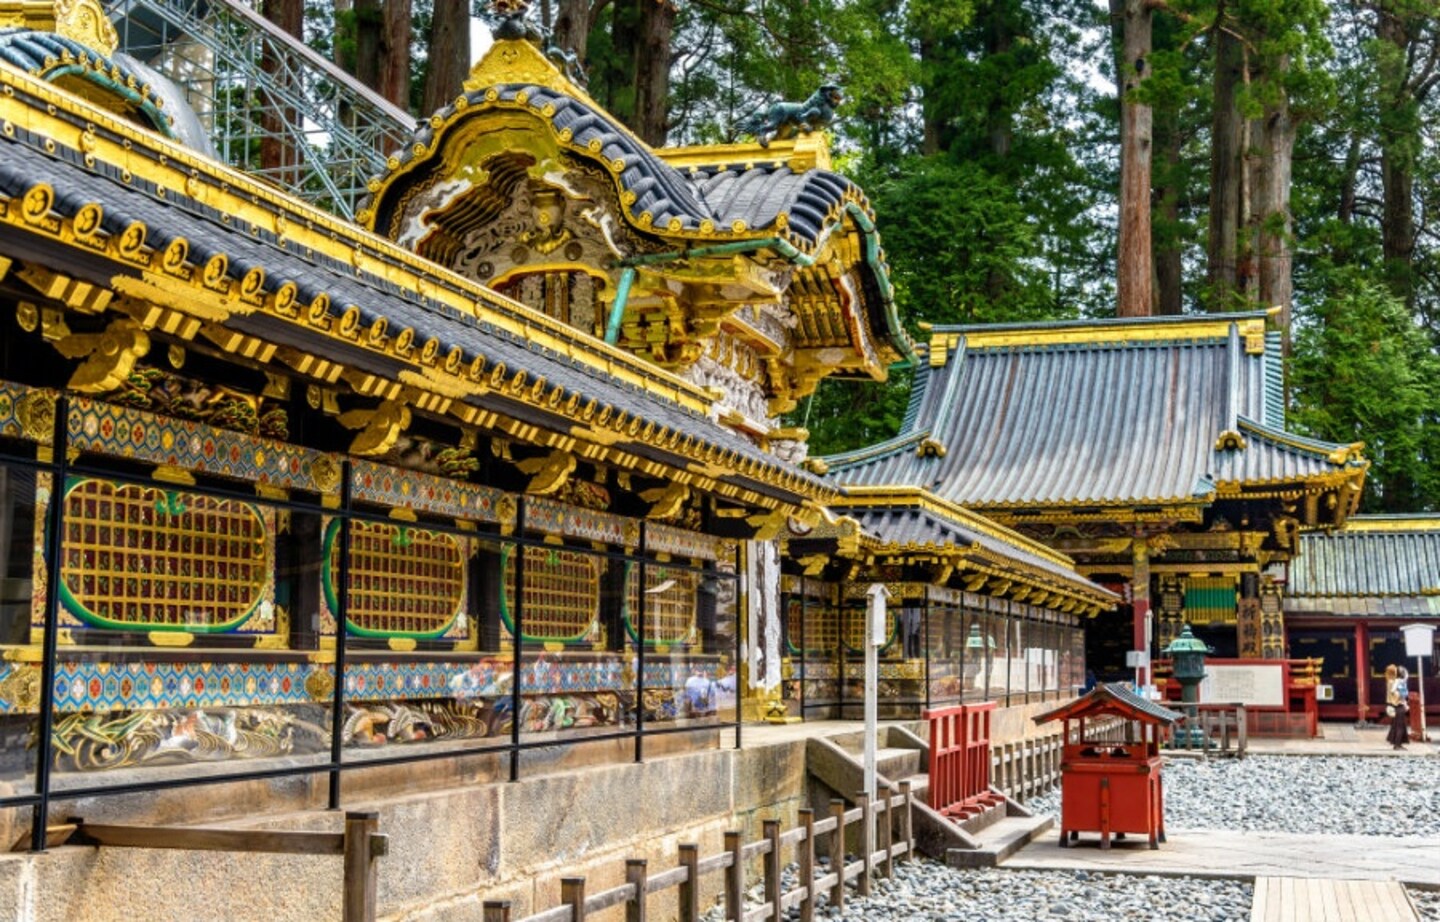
x=880, y=844
x=1028, y=767
x=359, y=846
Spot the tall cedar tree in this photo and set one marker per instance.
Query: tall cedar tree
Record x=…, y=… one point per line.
x=275, y=152
x=1134, y=21
x=449, y=53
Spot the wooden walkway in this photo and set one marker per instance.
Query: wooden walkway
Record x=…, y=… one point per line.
x=1315, y=899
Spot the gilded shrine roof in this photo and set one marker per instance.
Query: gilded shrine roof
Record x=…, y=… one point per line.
x=689, y=215
x=1155, y=411
x=125, y=210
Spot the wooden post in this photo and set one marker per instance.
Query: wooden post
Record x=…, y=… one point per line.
x=886, y=826
x=807, y=864
x=867, y=841
x=635, y=874
x=1241, y=728
x=496, y=910
x=771, y=831
x=572, y=894
x=690, y=887
x=907, y=834
x=837, y=855
x=361, y=850
x=735, y=878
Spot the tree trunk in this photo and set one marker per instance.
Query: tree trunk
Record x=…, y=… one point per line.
x=276, y=154
x=999, y=39
x=394, y=75
x=1165, y=232
x=368, y=23
x=652, y=71
x=449, y=50
x=1226, y=172
x=572, y=27
x=930, y=116
x=1135, y=267
x=1399, y=143
x=1273, y=139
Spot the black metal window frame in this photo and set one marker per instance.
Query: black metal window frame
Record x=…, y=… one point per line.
x=60, y=468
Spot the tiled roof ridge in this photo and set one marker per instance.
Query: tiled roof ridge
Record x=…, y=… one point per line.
x=1104, y=322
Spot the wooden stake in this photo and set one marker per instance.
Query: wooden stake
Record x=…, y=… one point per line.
x=360, y=853
x=807, y=864
x=690, y=887
x=635, y=874
x=771, y=831
x=885, y=824
x=572, y=894
x=907, y=834
x=735, y=878
x=837, y=855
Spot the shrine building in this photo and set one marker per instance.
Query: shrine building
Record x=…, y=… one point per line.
x=1350, y=592
x=1151, y=451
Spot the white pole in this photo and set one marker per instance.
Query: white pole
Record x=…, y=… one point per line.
x=874, y=639
x=1420, y=678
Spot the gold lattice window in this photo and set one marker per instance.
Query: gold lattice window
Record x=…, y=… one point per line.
x=855, y=618
x=562, y=593
x=815, y=624
x=669, y=603
x=404, y=582
x=141, y=558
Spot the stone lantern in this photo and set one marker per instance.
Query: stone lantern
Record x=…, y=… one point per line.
x=1187, y=655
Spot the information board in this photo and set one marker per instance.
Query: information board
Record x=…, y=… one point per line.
x=1257, y=685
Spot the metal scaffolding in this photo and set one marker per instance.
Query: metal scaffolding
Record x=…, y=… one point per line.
x=271, y=105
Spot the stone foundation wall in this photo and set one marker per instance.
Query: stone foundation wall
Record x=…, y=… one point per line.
x=449, y=849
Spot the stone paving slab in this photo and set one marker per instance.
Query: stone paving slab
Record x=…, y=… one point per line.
x=1225, y=853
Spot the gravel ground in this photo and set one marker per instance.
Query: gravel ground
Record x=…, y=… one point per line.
x=1313, y=795
x=1428, y=902
x=927, y=891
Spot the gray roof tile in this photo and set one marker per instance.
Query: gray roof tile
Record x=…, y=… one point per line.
x=1071, y=423
x=1368, y=562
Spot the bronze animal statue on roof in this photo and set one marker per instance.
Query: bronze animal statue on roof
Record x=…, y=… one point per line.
x=786, y=119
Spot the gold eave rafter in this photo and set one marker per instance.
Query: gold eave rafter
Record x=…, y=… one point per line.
x=1393, y=524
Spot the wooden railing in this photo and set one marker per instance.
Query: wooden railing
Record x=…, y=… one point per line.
x=959, y=763
x=1029, y=767
x=891, y=811
x=359, y=846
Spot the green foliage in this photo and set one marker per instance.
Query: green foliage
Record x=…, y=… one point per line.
x=962, y=246
x=1363, y=371
x=844, y=414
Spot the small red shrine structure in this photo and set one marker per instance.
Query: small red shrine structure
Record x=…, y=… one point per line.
x=1110, y=768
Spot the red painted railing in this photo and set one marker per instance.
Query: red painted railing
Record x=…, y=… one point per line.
x=960, y=758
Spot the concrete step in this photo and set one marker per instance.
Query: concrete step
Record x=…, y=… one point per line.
x=999, y=840
x=897, y=764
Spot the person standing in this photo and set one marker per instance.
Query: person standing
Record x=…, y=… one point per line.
x=1397, y=694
